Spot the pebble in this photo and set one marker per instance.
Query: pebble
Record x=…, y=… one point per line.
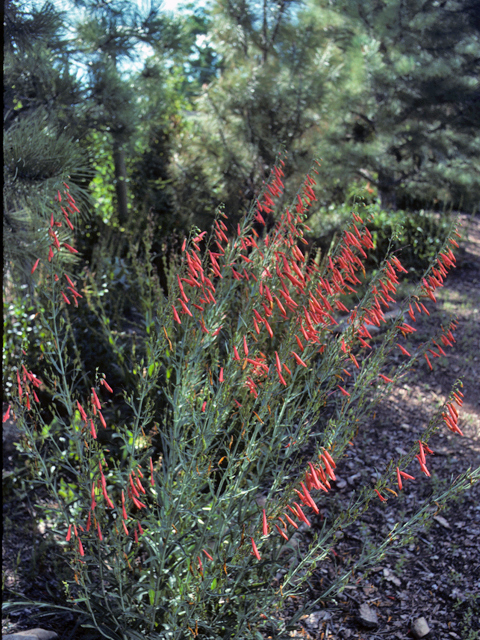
x=420, y=628
x=368, y=616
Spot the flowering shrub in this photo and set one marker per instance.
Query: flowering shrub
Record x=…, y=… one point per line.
x=251, y=380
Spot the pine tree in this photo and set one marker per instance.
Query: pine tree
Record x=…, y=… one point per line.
x=409, y=120
x=40, y=96
x=108, y=35
x=276, y=68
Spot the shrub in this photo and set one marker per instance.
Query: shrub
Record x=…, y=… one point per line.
x=248, y=381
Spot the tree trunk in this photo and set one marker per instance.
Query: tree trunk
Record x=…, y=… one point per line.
x=120, y=182
x=387, y=190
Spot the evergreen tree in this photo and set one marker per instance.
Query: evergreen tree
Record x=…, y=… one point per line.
x=409, y=122
x=276, y=69
x=108, y=36
x=40, y=97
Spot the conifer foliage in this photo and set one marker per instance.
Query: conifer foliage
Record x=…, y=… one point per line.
x=410, y=115
x=41, y=96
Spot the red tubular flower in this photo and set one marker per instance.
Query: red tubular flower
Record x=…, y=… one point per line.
x=20, y=389
x=314, y=477
x=207, y=554
x=176, y=316
x=302, y=497
x=384, y=378
x=6, y=415
x=269, y=328
x=300, y=514
x=69, y=533
x=294, y=524
x=139, y=485
x=220, y=378
x=309, y=498
x=125, y=527
x=80, y=547
x=458, y=400
x=422, y=452
x=328, y=467
x=264, y=524
x=124, y=513
x=68, y=221
x=282, y=533
x=92, y=430
x=140, y=528
x=108, y=501
x=96, y=401
x=69, y=248
x=278, y=363
x=134, y=489
x=184, y=307
x=65, y=297
x=100, y=537
x=423, y=466
x=380, y=495
x=35, y=266
x=345, y=393
x=138, y=504
x=152, y=481
x=106, y=385
x=255, y=550
x=399, y=479
x=82, y=412
x=299, y=342
x=102, y=419
x=330, y=459
x=403, y=350
x=298, y=359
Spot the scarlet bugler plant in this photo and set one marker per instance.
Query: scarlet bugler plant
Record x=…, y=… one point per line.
x=264, y=372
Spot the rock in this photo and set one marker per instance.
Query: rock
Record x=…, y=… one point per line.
x=31, y=634
x=441, y=520
x=388, y=575
x=314, y=619
x=368, y=616
x=420, y=628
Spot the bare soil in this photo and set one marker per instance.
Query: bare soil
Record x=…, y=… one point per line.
x=437, y=576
